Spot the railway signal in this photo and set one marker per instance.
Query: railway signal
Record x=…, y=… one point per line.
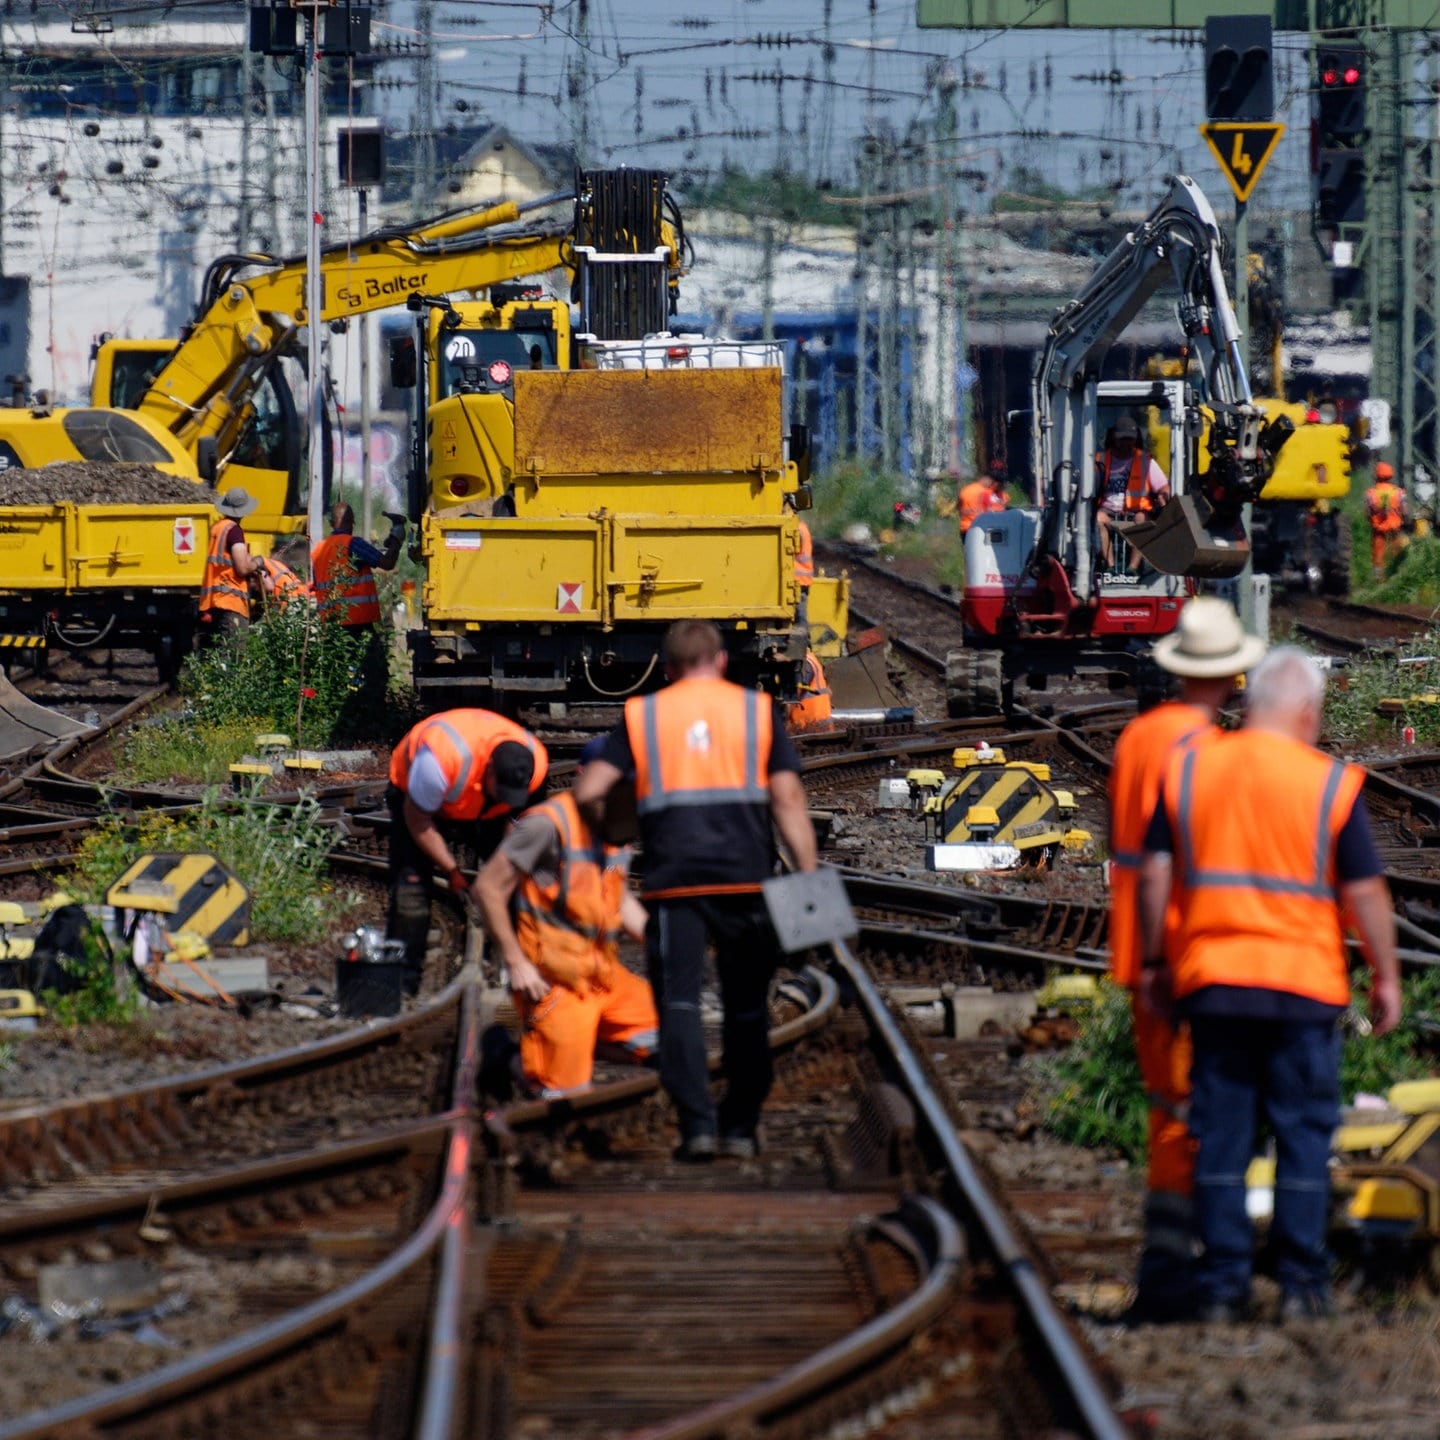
x=1239, y=77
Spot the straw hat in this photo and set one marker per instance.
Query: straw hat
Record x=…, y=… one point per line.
x=1208, y=643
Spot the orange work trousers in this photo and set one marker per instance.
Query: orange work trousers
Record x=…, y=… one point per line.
x=559, y=1033
x=1383, y=545
x=1163, y=1050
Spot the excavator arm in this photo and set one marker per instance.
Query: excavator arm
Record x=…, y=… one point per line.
x=252, y=305
x=1196, y=534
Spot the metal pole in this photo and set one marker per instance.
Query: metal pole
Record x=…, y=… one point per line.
x=367, y=519
x=314, y=302
x=1246, y=596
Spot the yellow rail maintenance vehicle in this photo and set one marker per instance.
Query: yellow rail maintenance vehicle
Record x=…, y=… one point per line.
x=578, y=492
x=108, y=547
x=216, y=405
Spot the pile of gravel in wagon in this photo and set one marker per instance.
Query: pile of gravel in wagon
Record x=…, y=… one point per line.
x=100, y=482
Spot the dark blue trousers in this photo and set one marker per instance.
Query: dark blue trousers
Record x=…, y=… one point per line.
x=1289, y=1071
x=746, y=956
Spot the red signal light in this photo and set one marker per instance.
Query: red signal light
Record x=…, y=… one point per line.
x=1312, y=416
x=1352, y=75
x=499, y=372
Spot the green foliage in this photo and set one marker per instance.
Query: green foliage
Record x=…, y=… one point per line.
x=937, y=542
x=1413, y=577
x=179, y=749
x=292, y=671
x=1350, y=711
x=277, y=852
x=777, y=193
x=1371, y=1064
x=97, y=1000
x=1091, y=1094
x=852, y=493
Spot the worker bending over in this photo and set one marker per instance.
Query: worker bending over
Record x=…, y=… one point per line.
x=984, y=496
x=1385, y=506
x=566, y=890
x=1128, y=486
x=1208, y=651
x=713, y=767
x=225, y=589
x=1271, y=845
x=460, y=774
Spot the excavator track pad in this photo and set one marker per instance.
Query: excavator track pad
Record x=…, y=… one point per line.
x=1187, y=537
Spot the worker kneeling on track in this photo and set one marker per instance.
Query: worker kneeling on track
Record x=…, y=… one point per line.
x=566, y=890
x=461, y=773
x=1208, y=651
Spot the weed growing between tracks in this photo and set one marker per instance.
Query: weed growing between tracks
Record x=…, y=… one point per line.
x=183, y=750
x=1350, y=713
x=1091, y=1094
x=278, y=852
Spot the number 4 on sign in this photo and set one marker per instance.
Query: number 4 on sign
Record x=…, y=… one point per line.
x=1243, y=149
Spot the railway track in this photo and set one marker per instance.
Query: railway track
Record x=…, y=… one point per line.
x=546, y=1268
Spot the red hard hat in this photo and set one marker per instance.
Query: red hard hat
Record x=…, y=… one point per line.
x=1384, y=471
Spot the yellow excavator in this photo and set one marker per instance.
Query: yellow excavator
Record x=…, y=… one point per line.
x=1299, y=535
x=216, y=406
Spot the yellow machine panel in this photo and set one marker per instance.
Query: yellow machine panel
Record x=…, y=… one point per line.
x=513, y=570
x=666, y=568
x=591, y=422
x=827, y=612
x=74, y=547
x=194, y=892
x=472, y=447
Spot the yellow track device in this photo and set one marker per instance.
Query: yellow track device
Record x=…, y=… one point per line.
x=195, y=892
x=1003, y=804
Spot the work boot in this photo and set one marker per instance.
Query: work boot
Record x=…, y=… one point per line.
x=1303, y=1305
x=696, y=1149
x=739, y=1147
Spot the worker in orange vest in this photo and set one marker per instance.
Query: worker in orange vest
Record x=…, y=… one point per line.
x=1128, y=485
x=280, y=585
x=813, y=705
x=555, y=902
x=343, y=567
x=1242, y=932
x=1385, y=505
x=1208, y=650
x=459, y=774
x=983, y=496
x=225, y=587
x=714, y=770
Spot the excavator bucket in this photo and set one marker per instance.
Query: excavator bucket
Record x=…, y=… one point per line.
x=1188, y=538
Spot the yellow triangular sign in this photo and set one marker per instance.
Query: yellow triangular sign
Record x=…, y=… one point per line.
x=1243, y=148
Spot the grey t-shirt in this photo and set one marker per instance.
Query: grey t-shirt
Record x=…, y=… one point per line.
x=426, y=784
x=532, y=846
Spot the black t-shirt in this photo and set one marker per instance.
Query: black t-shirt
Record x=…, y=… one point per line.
x=707, y=849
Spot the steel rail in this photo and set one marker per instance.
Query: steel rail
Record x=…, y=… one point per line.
x=1086, y=1393
x=939, y=1238
x=189, y=1380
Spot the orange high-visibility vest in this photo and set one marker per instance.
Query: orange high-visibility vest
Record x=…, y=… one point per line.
x=463, y=742
x=700, y=744
x=570, y=930
x=222, y=588
x=1142, y=756
x=805, y=558
x=289, y=587
x=1137, y=482
x=978, y=499
x=1255, y=818
x=346, y=591
x=814, y=705
x=1383, y=500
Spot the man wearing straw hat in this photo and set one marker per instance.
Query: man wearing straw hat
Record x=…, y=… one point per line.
x=1207, y=651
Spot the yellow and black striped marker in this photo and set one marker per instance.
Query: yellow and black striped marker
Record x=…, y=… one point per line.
x=21, y=642
x=1025, y=812
x=195, y=891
